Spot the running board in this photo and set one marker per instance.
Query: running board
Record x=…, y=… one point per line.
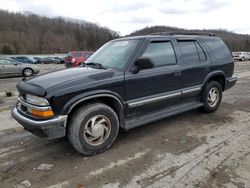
x=149, y=118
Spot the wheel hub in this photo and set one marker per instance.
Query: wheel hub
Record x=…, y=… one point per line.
x=213, y=97
x=97, y=130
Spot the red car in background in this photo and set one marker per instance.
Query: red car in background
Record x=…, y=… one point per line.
x=76, y=58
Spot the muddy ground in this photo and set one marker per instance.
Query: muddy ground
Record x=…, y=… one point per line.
x=188, y=150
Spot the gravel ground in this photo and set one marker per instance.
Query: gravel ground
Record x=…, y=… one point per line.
x=188, y=150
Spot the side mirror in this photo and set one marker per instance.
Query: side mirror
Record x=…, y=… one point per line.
x=142, y=63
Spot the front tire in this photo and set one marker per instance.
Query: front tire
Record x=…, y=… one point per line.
x=93, y=128
x=211, y=96
x=27, y=72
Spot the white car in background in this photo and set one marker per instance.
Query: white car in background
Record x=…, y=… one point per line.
x=241, y=56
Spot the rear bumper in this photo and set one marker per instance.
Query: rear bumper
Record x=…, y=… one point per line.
x=49, y=129
x=230, y=82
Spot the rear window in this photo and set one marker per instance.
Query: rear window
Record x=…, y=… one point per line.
x=218, y=48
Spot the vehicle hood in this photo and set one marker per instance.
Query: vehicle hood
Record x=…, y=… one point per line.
x=70, y=77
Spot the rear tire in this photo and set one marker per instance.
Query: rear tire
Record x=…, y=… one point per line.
x=211, y=97
x=93, y=128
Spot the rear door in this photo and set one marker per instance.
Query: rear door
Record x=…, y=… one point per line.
x=195, y=67
x=153, y=89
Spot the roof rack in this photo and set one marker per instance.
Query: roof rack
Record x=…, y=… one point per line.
x=183, y=33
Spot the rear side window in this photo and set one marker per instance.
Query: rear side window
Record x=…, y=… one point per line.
x=161, y=53
x=189, y=52
x=192, y=52
x=201, y=53
x=218, y=48
x=2, y=62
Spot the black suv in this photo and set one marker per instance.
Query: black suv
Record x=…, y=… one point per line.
x=128, y=82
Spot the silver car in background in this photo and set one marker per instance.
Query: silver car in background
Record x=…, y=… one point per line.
x=241, y=56
x=10, y=67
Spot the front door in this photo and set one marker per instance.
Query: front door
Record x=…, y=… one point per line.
x=152, y=89
x=9, y=67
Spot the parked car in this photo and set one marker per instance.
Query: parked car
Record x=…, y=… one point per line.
x=241, y=56
x=76, y=58
x=10, y=67
x=25, y=59
x=47, y=60
x=127, y=83
x=59, y=60
x=38, y=59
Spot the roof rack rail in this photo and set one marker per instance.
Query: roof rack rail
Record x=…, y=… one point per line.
x=184, y=33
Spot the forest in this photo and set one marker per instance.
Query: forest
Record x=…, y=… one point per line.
x=28, y=33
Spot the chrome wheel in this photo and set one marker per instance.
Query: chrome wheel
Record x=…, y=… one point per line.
x=213, y=97
x=97, y=130
x=27, y=72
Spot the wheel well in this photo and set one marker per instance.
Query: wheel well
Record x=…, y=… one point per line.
x=112, y=103
x=220, y=79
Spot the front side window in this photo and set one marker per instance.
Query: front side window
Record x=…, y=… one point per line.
x=161, y=53
x=8, y=62
x=114, y=54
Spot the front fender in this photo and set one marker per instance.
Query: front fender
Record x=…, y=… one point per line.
x=91, y=95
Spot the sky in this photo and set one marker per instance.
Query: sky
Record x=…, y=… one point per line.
x=126, y=16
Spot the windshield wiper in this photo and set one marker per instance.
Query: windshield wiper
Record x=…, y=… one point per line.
x=98, y=65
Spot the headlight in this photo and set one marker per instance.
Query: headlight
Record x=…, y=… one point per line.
x=39, y=101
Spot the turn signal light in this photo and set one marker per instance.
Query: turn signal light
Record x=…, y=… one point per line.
x=39, y=113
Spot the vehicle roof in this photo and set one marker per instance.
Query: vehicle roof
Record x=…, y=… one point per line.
x=240, y=52
x=81, y=51
x=165, y=36
x=7, y=58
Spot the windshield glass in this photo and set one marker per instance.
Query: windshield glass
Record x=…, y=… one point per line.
x=114, y=54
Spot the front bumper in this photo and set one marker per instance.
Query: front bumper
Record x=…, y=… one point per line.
x=230, y=82
x=36, y=71
x=49, y=129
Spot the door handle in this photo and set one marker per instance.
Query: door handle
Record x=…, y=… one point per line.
x=177, y=73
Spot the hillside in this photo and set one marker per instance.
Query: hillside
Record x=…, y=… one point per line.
x=236, y=42
x=27, y=33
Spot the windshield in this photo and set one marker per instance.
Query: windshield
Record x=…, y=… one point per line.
x=114, y=54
